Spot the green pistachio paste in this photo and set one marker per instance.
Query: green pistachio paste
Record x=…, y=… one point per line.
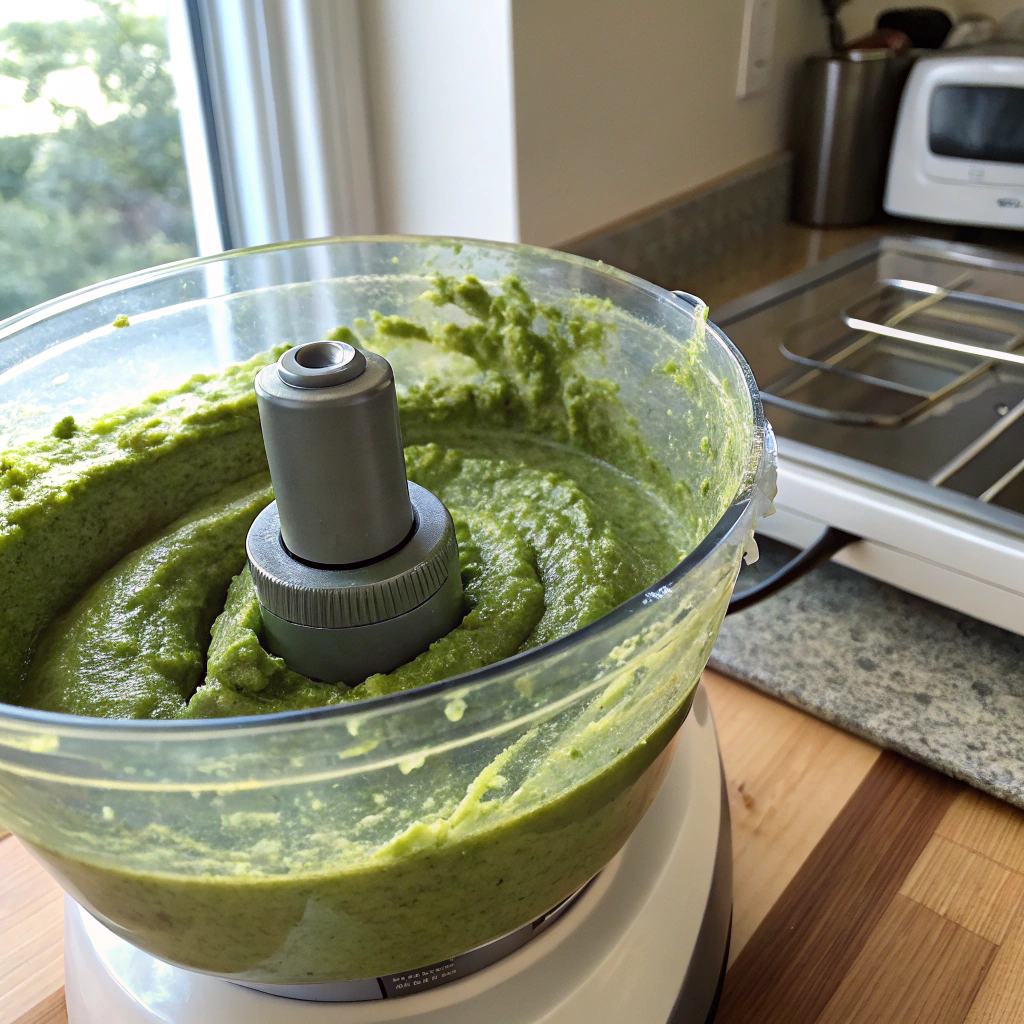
x=125, y=595
x=123, y=555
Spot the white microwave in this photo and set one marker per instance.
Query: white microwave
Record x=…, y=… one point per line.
x=958, y=149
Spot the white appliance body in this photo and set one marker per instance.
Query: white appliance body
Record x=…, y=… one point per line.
x=965, y=564
x=959, y=109
x=647, y=941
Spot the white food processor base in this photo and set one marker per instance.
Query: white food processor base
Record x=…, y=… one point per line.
x=647, y=941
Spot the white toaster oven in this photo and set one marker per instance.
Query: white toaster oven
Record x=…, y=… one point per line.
x=958, y=149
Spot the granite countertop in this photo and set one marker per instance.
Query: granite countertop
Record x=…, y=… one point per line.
x=915, y=677
x=928, y=682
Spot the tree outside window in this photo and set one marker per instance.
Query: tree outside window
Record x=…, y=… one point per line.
x=92, y=174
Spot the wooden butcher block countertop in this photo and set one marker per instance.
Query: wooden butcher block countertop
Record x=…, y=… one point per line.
x=867, y=888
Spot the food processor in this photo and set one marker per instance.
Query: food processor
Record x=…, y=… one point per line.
x=542, y=839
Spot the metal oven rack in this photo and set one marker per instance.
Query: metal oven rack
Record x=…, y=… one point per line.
x=893, y=373
x=900, y=351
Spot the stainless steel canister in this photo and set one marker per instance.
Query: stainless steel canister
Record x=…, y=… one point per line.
x=844, y=116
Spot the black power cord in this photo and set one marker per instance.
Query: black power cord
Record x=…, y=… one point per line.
x=831, y=541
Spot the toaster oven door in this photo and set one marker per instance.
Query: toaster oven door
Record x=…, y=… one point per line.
x=975, y=133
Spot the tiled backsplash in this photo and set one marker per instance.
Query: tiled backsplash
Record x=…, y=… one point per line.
x=667, y=243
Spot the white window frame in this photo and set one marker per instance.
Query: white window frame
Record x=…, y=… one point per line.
x=274, y=121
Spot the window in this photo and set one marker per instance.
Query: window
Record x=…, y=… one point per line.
x=139, y=132
x=92, y=175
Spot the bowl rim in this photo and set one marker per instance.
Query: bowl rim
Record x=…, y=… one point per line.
x=67, y=724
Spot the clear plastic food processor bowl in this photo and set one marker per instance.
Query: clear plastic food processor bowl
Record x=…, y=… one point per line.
x=360, y=840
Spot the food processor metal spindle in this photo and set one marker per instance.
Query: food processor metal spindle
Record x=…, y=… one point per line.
x=356, y=570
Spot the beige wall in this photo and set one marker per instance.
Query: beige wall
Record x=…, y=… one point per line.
x=439, y=85
x=622, y=105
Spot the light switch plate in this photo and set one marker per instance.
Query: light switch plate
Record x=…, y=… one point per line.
x=756, y=47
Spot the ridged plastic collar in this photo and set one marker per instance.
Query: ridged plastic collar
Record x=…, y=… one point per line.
x=336, y=598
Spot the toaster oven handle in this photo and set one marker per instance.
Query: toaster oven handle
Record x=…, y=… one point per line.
x=831, y=540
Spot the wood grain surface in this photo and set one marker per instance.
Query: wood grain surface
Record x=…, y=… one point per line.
x=868, y=890
x=910, y=907
x=31, y=940
x=914, y=966
x=808, y=942
x=789, y=776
